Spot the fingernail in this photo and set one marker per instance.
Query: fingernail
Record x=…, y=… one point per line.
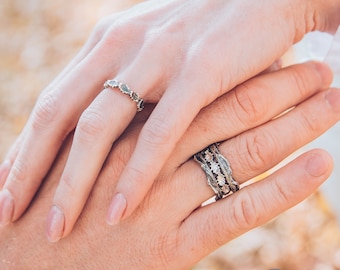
x=5, y=167
x=333, y=98
x=316, y=166
x=55, y=224
x=117, y=209
x=6, y=207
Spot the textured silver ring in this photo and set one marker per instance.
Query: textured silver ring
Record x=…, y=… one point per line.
x=217, y=170
x=127, y=91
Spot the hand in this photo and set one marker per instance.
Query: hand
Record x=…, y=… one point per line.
x=247, y=106
x=179, y=60
x=170, y=229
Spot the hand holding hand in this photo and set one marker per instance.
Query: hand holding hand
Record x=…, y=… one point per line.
x=170, y=229
x=161, y=52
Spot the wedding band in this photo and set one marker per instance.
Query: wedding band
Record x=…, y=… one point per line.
x=127, y=91
x=217, y=170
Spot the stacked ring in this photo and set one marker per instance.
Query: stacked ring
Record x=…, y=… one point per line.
x=127, y=91
x=217, y=170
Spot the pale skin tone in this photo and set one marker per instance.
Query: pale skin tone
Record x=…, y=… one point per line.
x=160, y=51
x=170, y=230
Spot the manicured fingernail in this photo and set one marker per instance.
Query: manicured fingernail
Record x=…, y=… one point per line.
x=316, y=166
x=6, y=207
x=117, y=209
x=5, y=167
x=333, y=98
x=55, y=224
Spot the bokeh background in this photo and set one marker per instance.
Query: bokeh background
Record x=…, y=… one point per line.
x=38, y=38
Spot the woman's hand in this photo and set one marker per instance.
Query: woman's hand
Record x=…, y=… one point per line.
x=183, y=54
x=234, y=117
x=170, y=229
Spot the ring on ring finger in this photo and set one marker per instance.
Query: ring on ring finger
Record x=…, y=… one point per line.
x=125, y=89
x=217, y=170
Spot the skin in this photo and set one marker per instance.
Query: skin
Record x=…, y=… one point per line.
x=170, y=229
x=164, y=40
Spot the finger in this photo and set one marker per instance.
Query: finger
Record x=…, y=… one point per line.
x=156, y=141
x=6, y=165
x=52, y=119
x=163, y=130
x=220, y=222
x=70, y=196
x=59, y=91
x=94, y=136
x=56, y=111
x=159, y=135
x=4, y=171
x=255, y=151
x=251, y=104
x=95, y=133
x=94, y=38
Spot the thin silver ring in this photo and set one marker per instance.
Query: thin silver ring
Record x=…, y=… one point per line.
x=218, y=171
x=127, y=91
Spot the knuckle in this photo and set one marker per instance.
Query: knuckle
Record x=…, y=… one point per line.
x=45, y=111
x=249, y=106
x=197, y=62
x=259, y=150
x=310, y=121
x=19, y=171
x=67, y=186
x=91, y=125
x=120, y=32
x=244, y=215
x=102, y=26
x=139, y=177
x=15, y=148
x=282, y=192
x=156, y=133
x=156, y=39
x=300, y=78
x=118, y=159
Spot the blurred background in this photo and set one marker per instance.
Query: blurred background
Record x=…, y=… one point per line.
x=38, y=38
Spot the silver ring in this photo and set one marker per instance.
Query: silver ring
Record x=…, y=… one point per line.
x=127, y=91
x=217, y=170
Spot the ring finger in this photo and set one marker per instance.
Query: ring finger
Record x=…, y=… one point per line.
x=98, y=128
x=251, y=104
x=54, y=116
x=255, y=151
